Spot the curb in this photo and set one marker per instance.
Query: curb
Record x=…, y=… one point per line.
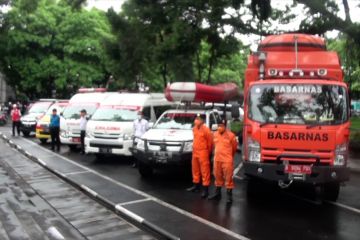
x=123, y=212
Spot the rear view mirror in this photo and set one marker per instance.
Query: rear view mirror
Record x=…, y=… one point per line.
x=235, y=112
x=214, y=127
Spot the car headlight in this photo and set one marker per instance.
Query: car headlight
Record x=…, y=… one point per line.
x=340, y=154
x=188, y=146
x=140, y=144
x=254, y=154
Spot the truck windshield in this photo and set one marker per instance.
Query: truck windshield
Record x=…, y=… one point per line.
x=73, y=111
x=115, y=115
x=184, y=121
x=311, y=104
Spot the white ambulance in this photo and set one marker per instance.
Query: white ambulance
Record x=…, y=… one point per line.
x=86, y=98
x=110, y=130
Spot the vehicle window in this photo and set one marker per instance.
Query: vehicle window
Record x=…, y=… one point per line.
x=298, y=103
x=217, y=117
x=147, y=112
x=39, y=108
x=212, y=120
x=115, y=114
x=160, y=110
x=73, y=111
x=184, y=121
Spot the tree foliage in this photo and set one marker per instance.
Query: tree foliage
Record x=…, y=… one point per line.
x=48, y=45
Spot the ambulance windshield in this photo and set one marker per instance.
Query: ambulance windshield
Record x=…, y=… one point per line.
x=298, y=104
x=184, y=121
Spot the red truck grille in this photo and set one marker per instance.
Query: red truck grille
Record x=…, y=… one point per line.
x=294, y=156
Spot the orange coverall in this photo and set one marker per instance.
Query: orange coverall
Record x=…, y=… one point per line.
x=225, y=149
x=202, y=147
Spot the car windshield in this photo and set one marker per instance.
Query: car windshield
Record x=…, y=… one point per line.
x=39, y=108
x=59, y=109
x=312, y=104
x=73, y=111
x=115, y=114
x=184, y=121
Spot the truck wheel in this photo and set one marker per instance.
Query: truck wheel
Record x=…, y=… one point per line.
x=330, y=191
x=43, y=140
x=72, y=148
x=145, y=170
x=25, y=133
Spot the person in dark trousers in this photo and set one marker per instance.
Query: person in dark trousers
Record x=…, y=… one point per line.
x=55, y=130
x=83, y=122
x=15, y=117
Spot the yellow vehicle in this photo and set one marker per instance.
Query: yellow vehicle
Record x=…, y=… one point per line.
x=42, y=126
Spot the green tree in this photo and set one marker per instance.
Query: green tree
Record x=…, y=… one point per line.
x=52, y=46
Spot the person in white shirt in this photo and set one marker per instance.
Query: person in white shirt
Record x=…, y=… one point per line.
x=83, y=122
x=141, y=125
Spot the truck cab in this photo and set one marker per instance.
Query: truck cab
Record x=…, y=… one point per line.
x=169, y=142
x=296, y=115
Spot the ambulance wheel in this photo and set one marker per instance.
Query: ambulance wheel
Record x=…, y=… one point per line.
x=43, y=140
x=25, y=133
x=145, y=170
x=330, y=191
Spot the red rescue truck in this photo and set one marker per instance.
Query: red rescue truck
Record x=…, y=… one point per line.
x=296, y=115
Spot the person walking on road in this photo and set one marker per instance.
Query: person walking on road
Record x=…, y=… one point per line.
x=140, y=125
x=55, y=130
x=225, y=149
x=200, y=163
x=83, y=123
x=15, y=117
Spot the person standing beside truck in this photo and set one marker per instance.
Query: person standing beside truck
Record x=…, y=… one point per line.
x=225, y=149
x=141, y=125
x=200, y=164
x=55, y=130
x=15, y=117
x=83, y=123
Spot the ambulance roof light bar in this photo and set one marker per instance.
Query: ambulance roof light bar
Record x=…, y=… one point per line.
x=273, y=72
x=91, y=90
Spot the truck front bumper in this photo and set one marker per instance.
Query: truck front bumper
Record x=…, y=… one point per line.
x=276, y=172
x=163, y=159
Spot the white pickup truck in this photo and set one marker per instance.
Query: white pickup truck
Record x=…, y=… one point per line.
x=169, y=142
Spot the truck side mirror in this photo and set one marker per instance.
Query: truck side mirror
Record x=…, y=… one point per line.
x=235, y=112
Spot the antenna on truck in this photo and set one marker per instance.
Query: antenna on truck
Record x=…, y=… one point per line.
x=296, y=51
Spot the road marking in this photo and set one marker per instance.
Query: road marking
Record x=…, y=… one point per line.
x=345, y=206
x=133, y=202
x=159, y=201
x=89, y=190
x=74, y=173
x=55, y=233
x=129, y=213
x=238, y=168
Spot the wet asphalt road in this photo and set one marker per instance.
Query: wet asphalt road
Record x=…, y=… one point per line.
x=291, y=214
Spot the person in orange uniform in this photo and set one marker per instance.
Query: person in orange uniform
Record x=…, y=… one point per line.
x=225, y=149
x=202, y=147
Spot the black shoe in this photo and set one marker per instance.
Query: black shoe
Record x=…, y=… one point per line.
x=205, y=192
x=194, y=188
x=216, y=195
x=82, y=153
x=229, y=196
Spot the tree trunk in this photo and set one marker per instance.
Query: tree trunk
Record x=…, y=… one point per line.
x=211, y=65
x=164, y=73
x=199, y=67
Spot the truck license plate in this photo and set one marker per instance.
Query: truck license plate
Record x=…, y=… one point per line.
x=75, y=140
x=105, y=150
x=300, y=169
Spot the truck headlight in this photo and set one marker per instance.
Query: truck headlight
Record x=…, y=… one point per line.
x=340, y=155
x=188, y=146
x=254, y=154
x=140, y=144
x=126, y=137
x=64, y=133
